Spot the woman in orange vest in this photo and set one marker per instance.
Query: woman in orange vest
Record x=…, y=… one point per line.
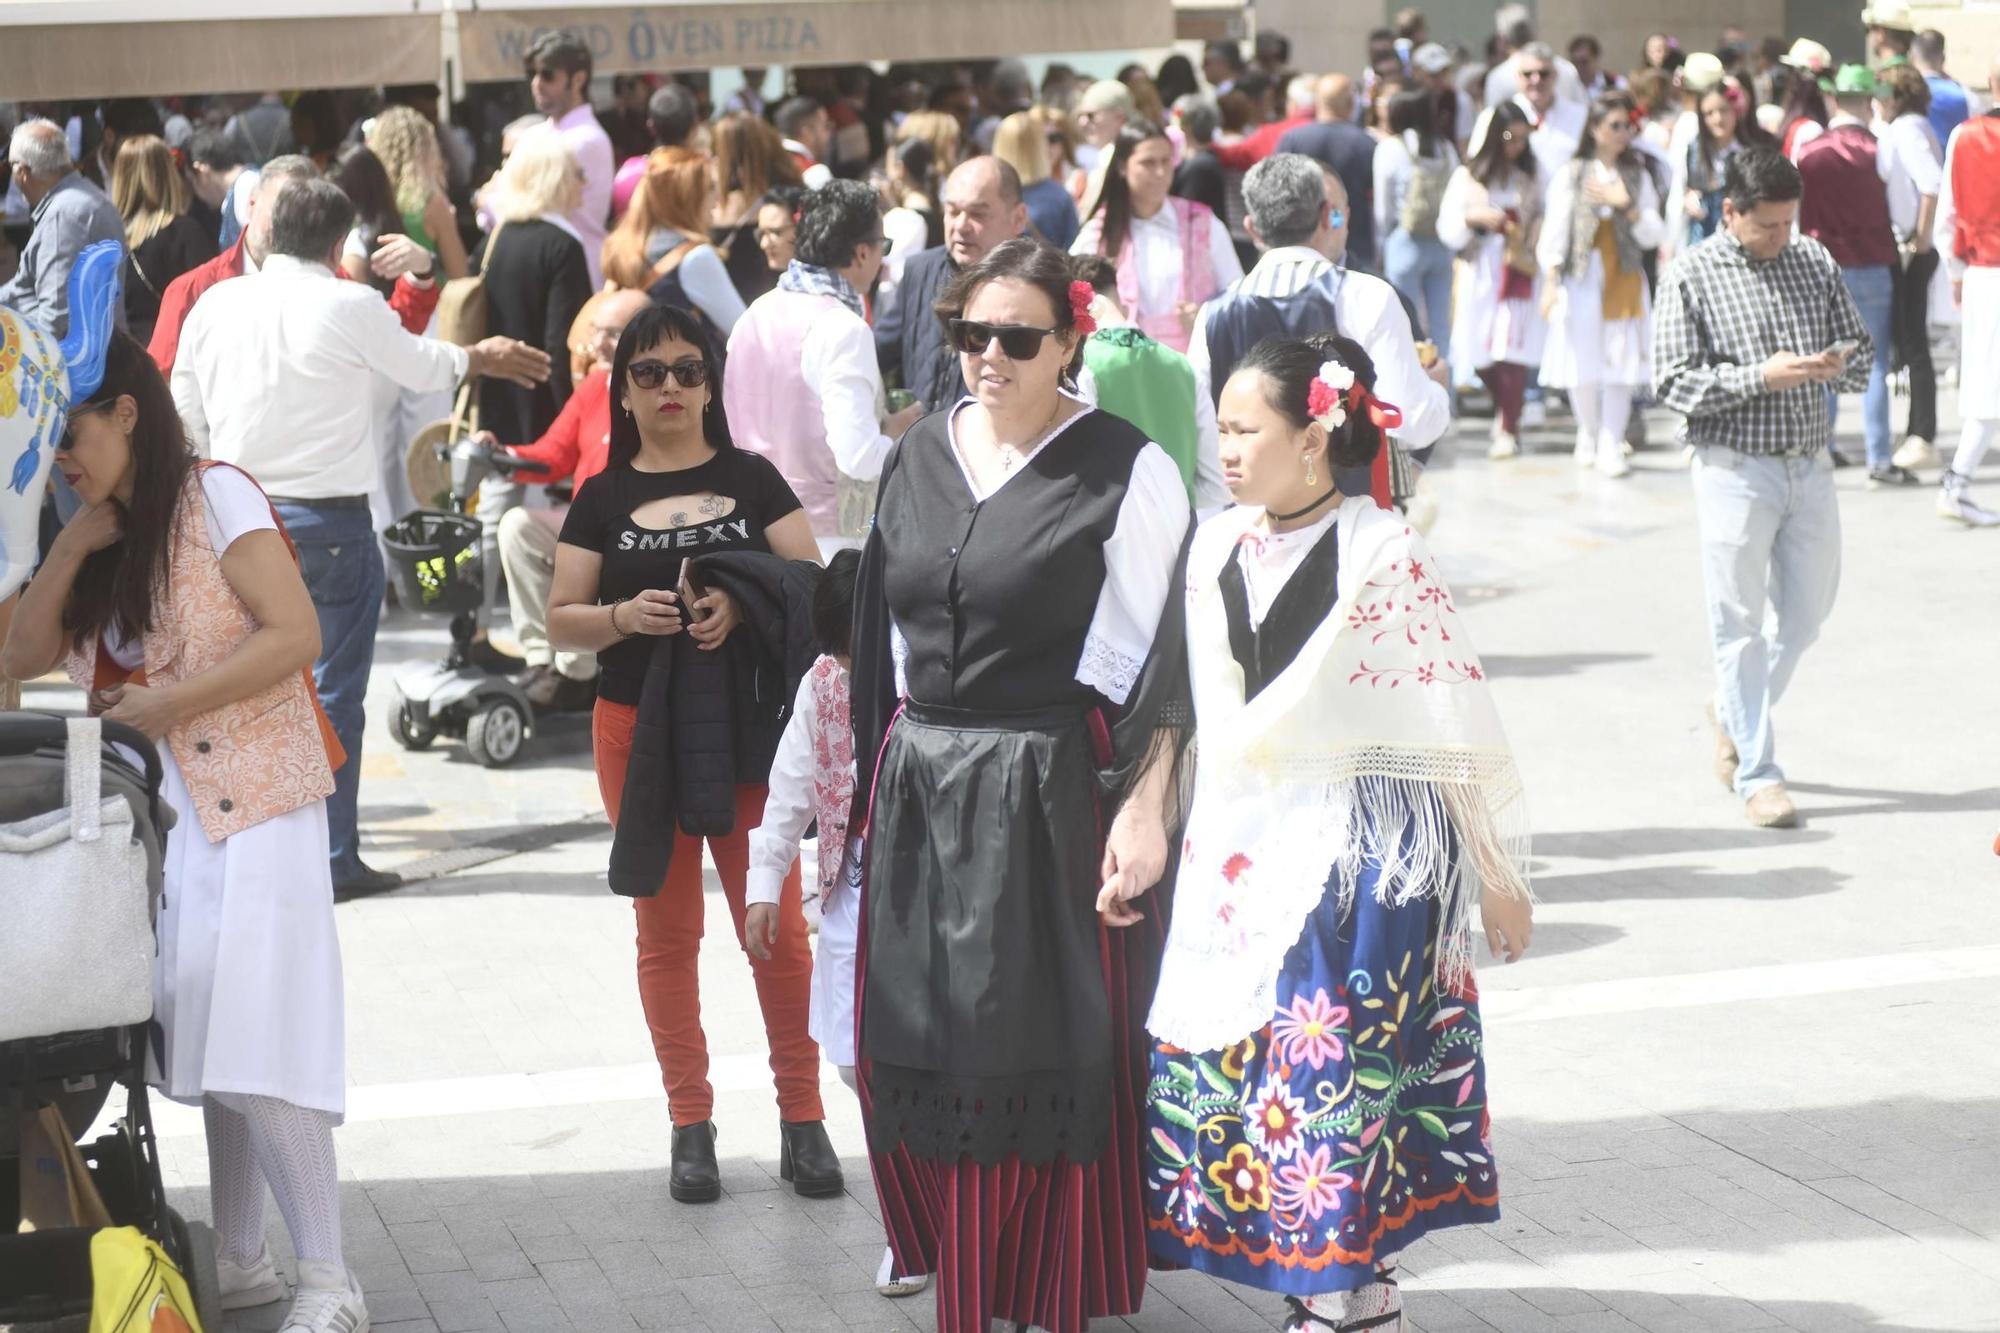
x=174, y=598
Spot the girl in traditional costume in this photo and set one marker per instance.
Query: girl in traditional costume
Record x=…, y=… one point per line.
x=1317, y=1094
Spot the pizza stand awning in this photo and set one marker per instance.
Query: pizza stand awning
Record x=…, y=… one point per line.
x=74, y=49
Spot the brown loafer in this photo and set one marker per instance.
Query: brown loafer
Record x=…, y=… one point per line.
x=1771, y=807
x=1725, y=750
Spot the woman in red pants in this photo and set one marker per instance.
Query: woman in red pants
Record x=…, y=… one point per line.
x=674, y=488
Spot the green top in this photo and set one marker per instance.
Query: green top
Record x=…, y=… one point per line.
x=1151, y=386
x=413, y=227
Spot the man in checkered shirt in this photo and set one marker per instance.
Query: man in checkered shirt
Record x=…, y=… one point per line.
x=1753, y=332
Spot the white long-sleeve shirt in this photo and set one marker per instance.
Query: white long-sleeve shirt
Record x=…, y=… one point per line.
x=1367, y=311
x=789, y=803
x=838, y=359
x=274, y=375
x=1156, y=254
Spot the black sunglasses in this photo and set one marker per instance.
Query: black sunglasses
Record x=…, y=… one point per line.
x=1021, y=342
x=691, y=373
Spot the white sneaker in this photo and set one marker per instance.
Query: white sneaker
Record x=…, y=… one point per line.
x=1504, y=446
x=241, y=1288
x=1585, y=453
x=328, y=1301
x=1955, y=504
x=888, y=1284
x=1611, y=459
x=1917, y=452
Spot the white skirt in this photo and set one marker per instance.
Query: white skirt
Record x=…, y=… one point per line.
x=1585, y=348
x=1979, y=346
x=831, y=1021
x=248, y=988
x=1486, y=329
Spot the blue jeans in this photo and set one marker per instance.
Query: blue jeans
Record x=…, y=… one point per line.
x=342, y=565
x=1421, y=271
x=1871, y=289
x=1770, y=529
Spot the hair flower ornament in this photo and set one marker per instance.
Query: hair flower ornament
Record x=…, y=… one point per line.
x=1326, y=400
x=1081, y=294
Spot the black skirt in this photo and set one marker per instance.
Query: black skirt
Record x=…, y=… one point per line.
x=985, y=1011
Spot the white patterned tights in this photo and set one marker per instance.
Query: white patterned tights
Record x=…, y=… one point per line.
x=252, y=1140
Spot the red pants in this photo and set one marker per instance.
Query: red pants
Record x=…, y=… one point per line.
x=670, y=928
x=1508, y=383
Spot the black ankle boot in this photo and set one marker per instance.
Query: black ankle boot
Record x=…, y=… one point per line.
x=695, y=1178
x=806, y=1158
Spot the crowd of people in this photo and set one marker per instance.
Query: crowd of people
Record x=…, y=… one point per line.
x=1004, y=480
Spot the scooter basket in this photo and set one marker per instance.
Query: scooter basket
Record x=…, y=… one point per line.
x=434, y=558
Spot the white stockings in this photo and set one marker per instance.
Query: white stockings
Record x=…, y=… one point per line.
x=255, y=1140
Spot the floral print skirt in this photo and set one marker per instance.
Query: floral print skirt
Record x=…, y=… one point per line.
x=1301, y=1158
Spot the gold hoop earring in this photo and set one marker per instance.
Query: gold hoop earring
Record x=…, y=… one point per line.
x=1312, y=477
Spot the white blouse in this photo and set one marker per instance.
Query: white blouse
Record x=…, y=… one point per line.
x=1140, y=559
x=1156, y=253
x=1269, y=560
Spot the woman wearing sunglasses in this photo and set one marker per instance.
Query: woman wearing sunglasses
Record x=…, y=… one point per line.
x=1172, y=254
x=1014, y=595
x=673, y=488
x=1603, y=214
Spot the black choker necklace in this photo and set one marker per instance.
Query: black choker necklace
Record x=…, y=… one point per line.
x=1331, y=491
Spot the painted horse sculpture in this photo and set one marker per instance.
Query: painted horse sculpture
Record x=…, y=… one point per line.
x=39, y=379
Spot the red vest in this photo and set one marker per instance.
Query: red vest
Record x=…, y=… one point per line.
x=1975, y=191
x=1846, y=205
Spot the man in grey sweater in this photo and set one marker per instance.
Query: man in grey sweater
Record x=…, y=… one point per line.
x=70, y=213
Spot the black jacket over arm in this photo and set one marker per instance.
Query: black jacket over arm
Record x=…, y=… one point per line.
x=910, y=340
x=709, y=722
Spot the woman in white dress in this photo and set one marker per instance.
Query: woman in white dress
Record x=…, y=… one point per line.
x=1603, y=214
x=175, y=597
x=1491, y=216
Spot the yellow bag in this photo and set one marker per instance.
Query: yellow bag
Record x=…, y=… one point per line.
x=135, y=1287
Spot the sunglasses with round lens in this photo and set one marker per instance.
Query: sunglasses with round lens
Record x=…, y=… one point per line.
x=691, y=373
x=1020, y=342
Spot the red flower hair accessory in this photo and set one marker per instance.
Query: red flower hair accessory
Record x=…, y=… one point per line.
x=1081, y=294
x=1335, y=393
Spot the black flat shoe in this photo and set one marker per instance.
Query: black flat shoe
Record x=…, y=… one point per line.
x=807, y=1160
x=365, y=882
x=695, y=1178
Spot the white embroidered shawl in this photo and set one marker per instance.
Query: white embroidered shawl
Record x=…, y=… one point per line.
x=1376, y=745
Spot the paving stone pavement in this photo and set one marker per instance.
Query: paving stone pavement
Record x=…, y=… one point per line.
x=1743, y=1081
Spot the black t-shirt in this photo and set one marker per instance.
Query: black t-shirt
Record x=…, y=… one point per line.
x=731, y=500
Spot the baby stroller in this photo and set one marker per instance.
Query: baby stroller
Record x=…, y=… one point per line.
x=81, y=836
x=436, y=562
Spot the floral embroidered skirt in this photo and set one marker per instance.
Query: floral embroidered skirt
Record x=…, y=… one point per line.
x=1302, y=1157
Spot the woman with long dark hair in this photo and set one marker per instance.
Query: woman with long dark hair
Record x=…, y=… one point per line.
x=1172, y=254
x=1316, y=1099
x=1603, y=214
x=1412, y=167
x=676, y=487
x=362, y=178
x=1806, y=111
x=174, y=598
x=1491, y=217
x=1015, y=616
x=1695, y=194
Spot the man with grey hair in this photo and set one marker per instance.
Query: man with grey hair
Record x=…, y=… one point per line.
x=69, y=213
x=1200, y=176
x=396, y=259
x=1517, y=33
x=274, y=375
x=1298, y=215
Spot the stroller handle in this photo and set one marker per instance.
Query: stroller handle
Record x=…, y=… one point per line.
x=24, y=733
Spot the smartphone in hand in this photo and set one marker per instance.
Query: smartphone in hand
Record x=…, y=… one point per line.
x=692, y=589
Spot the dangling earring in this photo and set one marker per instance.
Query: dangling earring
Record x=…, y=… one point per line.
x=1312, y=477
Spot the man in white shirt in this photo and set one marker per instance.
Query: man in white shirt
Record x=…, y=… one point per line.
x=273, y=375
x=559, y=67
x=1506, y=79
x=1558, y=123
x=808, y=133
x=1298, y=213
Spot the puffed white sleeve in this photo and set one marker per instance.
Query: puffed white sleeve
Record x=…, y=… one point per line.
x=1452, y=228
x=1650, y=229
x=1553, y=246
x=1139, y=562
x=788, y=806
